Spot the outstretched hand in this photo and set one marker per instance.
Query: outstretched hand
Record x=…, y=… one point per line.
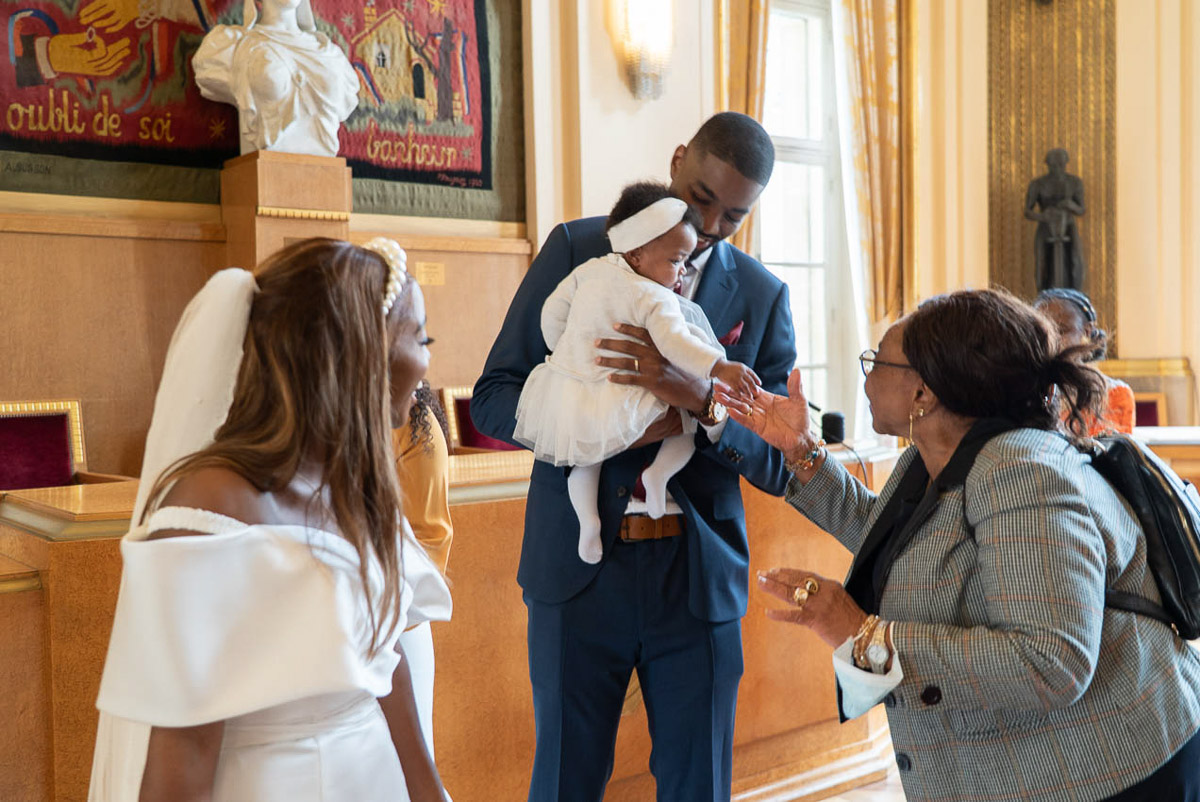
x=781, y=420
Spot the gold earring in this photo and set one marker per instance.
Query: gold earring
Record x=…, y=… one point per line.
x=920, y=414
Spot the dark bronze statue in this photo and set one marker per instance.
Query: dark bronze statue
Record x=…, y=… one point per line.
x=1059, y=197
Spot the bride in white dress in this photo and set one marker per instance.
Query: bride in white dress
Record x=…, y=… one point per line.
x=254, y=650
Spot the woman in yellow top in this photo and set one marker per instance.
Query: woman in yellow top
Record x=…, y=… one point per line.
x=423, y=468
x=423, y=465
x=1075, y=318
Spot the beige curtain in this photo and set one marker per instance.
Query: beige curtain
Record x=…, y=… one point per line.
x=741, y=67
x=870, y=39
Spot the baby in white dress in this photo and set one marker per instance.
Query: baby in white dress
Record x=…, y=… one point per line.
x=569, y=412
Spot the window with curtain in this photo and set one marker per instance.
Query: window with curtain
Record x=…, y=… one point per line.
x=801, y=231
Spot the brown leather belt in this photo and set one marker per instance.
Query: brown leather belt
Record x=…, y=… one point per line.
x=641, y=527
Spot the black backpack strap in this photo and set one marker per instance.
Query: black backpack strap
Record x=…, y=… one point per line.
x=1134, y=603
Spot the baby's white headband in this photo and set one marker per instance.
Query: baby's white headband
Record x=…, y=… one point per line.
x=650, y=223
x=397, y=261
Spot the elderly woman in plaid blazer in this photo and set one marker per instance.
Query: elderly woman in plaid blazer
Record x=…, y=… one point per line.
x=975, y=606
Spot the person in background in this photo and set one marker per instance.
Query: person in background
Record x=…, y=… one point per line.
x=423, y=469
x=1075, y=318
x=975, y=607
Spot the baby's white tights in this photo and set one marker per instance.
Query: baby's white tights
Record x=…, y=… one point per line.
x=672, y=456
x=583, y=486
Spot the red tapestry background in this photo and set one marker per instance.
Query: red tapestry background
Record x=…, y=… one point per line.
x=112, y=80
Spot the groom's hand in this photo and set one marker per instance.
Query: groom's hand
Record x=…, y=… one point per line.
x=642, y=365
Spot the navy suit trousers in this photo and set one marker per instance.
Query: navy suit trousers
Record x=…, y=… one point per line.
x=633, y=615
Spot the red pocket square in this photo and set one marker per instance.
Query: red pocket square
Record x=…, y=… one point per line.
x=734, y=334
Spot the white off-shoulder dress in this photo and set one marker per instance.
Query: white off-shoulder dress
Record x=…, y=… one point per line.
x=267, y=628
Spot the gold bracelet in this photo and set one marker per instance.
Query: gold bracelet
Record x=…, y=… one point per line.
x=862, y=640
x=810, y=459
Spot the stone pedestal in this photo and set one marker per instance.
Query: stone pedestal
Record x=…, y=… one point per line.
x=270, y=199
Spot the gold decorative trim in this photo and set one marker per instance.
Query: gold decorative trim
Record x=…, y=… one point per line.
x=1125, y=368
x=324, y=215
x=19, y=584
x=18, y=409
x=449, y=396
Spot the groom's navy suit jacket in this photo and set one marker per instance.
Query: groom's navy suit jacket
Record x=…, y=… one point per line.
x=734, y=288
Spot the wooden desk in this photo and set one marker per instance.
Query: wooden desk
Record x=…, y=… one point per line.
x=56, y=635
x=787, y=742
x=1179, y=446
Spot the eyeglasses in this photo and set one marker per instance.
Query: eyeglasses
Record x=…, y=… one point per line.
x=867, y=362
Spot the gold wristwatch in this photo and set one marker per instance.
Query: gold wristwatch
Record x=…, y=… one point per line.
x=713, y=413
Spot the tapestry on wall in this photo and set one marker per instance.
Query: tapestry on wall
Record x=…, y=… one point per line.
x=100, y=99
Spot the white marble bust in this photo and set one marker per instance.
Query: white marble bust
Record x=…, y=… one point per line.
x=291, y=85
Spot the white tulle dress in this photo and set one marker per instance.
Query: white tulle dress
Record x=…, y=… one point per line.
x=266, y=628
x=569, y=413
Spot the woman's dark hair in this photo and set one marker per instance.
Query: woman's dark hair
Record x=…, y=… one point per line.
x=1081, y=304
x=638, y=196
x=426, y=408
x=987, y=354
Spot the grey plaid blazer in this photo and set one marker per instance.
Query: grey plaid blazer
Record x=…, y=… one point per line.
x=1018, y=682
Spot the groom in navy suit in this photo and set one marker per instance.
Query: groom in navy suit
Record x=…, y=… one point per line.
x=667, y=598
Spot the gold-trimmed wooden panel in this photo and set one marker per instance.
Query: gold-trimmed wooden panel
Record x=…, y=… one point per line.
x=288, y=213
x=1052, y=83
x=14, y=409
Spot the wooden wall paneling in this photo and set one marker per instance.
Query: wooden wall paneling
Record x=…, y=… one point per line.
x=468, y=284
x=90, y=316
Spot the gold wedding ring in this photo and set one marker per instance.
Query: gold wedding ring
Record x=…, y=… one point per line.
x=636, y=366
x=800, y=595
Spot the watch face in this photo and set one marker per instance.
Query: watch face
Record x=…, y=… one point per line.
x=877, y=653
x=719, y=412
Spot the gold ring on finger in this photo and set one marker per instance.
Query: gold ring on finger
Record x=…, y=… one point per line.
x=811, y=585
x=799, y=596
x=636, y=366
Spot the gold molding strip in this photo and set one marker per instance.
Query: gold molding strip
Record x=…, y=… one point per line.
x=1124, y=368
x=17, y=409
x=324, y=215
x=19, y=584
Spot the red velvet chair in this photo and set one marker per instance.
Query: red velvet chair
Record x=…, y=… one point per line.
x=41, y=445
x=1150, y=409
x=464, y=437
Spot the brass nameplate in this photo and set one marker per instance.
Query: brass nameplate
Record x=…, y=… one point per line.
x=430, y=274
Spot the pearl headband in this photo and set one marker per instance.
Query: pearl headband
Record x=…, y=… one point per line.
x=650, y=223
x=397, y=261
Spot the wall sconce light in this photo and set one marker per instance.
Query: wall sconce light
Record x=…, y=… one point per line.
x=645, y=29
